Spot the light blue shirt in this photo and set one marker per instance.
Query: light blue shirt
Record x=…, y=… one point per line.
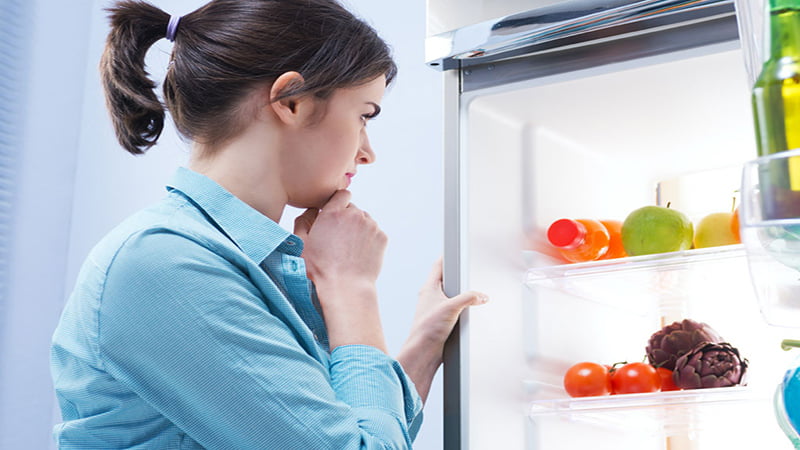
x=193, y=325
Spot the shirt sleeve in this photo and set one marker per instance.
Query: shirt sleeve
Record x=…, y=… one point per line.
x=188, y=332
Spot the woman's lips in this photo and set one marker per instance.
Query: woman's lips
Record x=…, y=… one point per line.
x=349, y=178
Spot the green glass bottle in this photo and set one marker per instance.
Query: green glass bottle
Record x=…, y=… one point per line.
x=776, y=110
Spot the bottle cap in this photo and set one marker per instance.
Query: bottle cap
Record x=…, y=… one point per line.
x=566, y=233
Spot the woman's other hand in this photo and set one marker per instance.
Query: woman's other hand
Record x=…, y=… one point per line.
x=434, y=319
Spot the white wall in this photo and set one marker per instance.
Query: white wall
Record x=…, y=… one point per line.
x=57, y=37
x=77, y=184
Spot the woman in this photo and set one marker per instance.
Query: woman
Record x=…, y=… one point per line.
x=199, y=322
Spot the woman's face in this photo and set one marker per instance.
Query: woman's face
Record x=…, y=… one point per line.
x=325, y=157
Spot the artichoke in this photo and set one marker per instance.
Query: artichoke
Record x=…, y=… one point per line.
x=671, y=342
x=710, y=365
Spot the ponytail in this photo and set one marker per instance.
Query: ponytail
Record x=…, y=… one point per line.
x=136, y=112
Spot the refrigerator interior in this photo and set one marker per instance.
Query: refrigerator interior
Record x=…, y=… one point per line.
x=600, y=143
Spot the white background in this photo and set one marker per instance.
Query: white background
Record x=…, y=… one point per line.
x=75, y=183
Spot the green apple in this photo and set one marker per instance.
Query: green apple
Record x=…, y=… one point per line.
x=714, y=230
x=656, y=229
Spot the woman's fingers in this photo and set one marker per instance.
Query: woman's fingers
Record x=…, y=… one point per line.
x=435, y=277
x=339, y=200
x=469, y=298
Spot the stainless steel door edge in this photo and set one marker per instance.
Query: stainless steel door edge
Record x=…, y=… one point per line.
x=565, y=23
x=456, y=367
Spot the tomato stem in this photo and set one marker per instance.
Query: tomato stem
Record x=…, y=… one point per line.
x=614, y=366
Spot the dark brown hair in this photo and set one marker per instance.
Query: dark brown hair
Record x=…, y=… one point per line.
x=224, y=50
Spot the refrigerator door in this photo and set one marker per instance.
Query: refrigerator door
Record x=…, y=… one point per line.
x=597, y=126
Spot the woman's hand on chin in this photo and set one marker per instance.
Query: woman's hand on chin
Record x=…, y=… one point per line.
x=343, y=249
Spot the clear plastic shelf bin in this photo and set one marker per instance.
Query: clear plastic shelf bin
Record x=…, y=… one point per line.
x=664, y=413
x=648, y=285
x=657, y=262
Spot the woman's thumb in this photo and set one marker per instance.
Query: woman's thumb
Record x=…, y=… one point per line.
x=304, y=222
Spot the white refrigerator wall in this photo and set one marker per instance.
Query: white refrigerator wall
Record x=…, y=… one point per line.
x=76, y=184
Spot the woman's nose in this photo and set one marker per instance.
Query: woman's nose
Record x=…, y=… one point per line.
x=365, y=153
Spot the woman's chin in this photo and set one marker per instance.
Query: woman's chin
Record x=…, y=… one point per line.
x=315, y=202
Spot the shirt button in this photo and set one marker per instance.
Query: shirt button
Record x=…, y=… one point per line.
x=294, y=266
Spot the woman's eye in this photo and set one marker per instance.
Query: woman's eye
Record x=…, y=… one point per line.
x=370, y=116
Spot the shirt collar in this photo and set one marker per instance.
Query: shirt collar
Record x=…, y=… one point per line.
x=254, y=233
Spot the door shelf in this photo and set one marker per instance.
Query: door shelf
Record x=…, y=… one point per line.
x=667, y=413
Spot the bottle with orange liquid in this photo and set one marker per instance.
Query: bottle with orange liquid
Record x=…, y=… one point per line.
x=580, y=240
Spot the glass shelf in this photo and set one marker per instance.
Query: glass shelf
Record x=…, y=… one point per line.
x=648, y=285
x=569, y=405
x=668, y=413
x=658, y=262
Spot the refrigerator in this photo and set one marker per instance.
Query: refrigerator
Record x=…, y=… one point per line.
x=592, y=109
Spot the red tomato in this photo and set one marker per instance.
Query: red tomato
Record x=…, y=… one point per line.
x=667, y=382
x=634, y=378
x=587, y=379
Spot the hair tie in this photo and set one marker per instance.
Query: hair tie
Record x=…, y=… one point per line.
x=172, y=27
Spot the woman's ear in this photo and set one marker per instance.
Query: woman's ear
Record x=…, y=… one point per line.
x=291, y=110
